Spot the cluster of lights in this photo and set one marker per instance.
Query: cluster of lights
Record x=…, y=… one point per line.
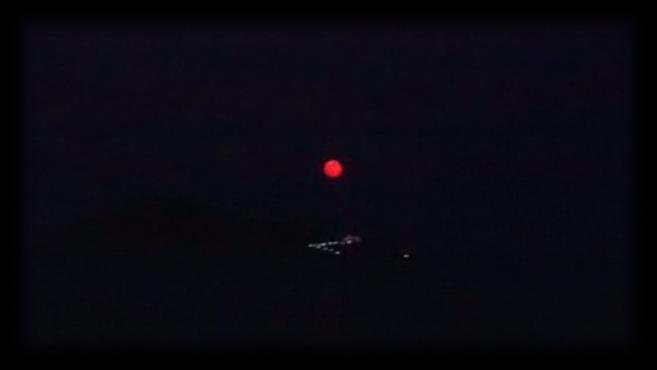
x=328, y=246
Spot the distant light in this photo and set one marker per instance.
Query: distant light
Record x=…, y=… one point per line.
x=352, y=239
x=406, y=256
x=337, y=253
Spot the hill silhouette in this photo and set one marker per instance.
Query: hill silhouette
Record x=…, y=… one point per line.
x=174, y=223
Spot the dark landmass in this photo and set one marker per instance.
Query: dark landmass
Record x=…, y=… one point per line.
x=171, y=273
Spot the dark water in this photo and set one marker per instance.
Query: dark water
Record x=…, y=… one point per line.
x=182, y=300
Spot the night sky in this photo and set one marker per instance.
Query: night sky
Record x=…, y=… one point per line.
x=457, y=139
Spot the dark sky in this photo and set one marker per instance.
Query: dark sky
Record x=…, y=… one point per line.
x=461, y=138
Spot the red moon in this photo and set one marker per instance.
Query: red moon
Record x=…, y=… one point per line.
x=333, y=168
